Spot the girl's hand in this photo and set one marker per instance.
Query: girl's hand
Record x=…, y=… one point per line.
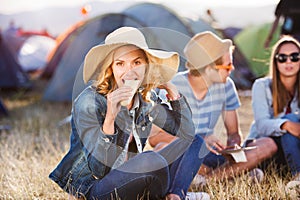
x=171, y=89
x=114, y=99
x=292, y=127
x=113, y=106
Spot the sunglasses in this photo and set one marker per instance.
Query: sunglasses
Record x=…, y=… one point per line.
x=282, y=58
x=227, y=67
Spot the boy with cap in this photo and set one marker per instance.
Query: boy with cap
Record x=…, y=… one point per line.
x=211, y=93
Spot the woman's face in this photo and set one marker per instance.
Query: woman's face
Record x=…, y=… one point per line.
x=288, y=54
x=129, y=63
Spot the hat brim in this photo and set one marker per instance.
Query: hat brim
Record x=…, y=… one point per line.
x=163, y=65
x=204, y=49
x=200, y=57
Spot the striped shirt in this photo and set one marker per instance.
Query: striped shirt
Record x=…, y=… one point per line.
x=207, y=111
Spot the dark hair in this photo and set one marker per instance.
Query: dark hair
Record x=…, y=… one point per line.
x=281, y=96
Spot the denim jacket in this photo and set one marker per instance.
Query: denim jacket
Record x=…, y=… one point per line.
x=266, y=124
x=92, y=153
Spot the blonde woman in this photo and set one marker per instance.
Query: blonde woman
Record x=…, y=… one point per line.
x=111, y=122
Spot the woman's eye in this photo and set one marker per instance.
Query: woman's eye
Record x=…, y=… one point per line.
x=119, y=64
x=138, y=62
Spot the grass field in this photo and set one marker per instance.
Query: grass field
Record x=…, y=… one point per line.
x=35, y=144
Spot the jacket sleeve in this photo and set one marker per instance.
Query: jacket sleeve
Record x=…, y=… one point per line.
x=265, y=122
x=88, y=114
x=177, y=120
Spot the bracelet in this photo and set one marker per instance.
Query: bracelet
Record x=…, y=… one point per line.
x=172, y=99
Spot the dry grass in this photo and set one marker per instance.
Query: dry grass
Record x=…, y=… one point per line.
x=35, y=144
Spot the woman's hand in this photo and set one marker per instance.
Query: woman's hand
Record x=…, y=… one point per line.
x=292, y=127
x=113, y=107
x=171, y=89
x=213, y=144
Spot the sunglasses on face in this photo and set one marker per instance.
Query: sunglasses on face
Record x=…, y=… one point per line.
x=282, y=58
x=227, y=67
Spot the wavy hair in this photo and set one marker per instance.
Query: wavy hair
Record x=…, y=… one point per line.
x=280, y=95
x=106, y=82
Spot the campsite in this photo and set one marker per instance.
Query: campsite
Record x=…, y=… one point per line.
x=37, y=89
x=34, y=142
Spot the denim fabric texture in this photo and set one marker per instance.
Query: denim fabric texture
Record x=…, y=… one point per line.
x=213, y=161
x=266, y=125
x=170, y=170
x=92, y=153
x=291, y=147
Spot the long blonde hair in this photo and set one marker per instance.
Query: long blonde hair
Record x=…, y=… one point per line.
x=281, y=96
x=106, y=82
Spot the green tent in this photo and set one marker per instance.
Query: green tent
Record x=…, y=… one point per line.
x=251, y=43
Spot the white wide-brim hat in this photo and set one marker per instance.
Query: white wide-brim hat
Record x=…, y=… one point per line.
x=205, y=48
x=163, y=65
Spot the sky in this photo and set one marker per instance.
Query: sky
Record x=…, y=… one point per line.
x=224, y=11
x=15, y=6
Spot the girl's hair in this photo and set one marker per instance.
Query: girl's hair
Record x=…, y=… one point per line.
x=106, y=82
x=281, y=96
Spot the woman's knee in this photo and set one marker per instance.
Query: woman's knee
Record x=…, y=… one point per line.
x=267, y=147
x=148, y=161
x=292, y=117
x=290, y=140
x=154, y=158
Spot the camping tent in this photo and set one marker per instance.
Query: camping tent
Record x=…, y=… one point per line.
x=33, y=54
x=162, y=28
x=11, y=74
x=200, y=25
x=79, y=40
x=89, y=34
x=157, y=15
x=3, y=110
x=251, y=43
x=62, y=43
x=242, y=75
x=13, y=40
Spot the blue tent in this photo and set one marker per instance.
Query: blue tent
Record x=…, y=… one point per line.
x=63, y=41
x=157, y=15
x=162, y=28
x=11, y=74
x=3, y=110
x=92, y=32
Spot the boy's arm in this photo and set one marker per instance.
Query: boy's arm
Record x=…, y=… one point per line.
x=230, y=118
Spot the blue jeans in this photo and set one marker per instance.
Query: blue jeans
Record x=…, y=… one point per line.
x=291, y=147
x=153, y=175
x=214, y=161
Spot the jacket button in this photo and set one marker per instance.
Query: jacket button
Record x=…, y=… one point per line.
x=150, y=119
x=106, y=140
x=143, y=128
